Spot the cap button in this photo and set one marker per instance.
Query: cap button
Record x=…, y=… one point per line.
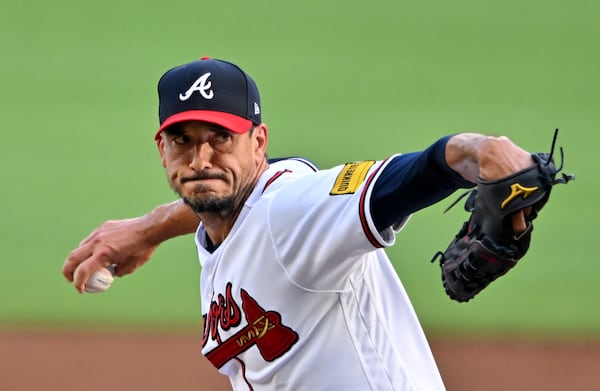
x=205, y=58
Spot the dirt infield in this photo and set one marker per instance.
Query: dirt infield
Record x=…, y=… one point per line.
x=97, y=362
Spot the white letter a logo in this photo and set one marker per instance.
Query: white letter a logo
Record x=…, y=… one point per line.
x=202, y=85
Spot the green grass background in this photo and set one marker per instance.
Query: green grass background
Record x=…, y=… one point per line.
x=340, y=81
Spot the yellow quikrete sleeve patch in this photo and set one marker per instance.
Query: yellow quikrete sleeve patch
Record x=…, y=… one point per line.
x=351, y=176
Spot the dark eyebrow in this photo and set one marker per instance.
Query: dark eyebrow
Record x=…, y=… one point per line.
x=174, y=130
x=218, y=128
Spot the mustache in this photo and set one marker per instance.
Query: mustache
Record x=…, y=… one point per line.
x=198, y=176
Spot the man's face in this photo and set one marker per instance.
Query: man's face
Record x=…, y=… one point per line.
x=212, y=169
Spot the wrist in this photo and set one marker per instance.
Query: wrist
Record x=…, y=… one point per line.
x=463, y=154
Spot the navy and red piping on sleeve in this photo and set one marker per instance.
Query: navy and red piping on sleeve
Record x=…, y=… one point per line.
x=305, y=161
x=411, y=182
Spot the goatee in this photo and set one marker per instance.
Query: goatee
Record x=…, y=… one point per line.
x=222, y=206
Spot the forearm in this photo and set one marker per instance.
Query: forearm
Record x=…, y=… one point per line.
x=168, y=221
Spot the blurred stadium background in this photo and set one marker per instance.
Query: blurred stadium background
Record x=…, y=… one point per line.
x=339, y=82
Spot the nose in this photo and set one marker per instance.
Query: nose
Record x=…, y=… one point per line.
x=202, y=157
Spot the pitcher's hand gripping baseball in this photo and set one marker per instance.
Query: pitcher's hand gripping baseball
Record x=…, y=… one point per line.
x=486, y=246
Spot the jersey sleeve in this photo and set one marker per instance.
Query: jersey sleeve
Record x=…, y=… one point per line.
x=321, y=225
x=412, y=182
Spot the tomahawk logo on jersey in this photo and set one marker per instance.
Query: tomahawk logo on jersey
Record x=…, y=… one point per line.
x=263, y=329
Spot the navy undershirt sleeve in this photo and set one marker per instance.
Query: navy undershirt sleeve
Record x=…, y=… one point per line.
x=412, y=182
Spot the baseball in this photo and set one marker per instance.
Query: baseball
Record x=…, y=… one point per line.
x=100, y=281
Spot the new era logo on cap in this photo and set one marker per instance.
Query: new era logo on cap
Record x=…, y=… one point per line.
x=208, y=90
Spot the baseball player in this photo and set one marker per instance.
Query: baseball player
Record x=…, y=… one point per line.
x=297, y=291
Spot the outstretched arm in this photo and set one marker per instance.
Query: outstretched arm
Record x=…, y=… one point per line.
x=128, y=243
x=414, y=181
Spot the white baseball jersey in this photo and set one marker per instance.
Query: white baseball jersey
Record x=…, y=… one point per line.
x=301, y=295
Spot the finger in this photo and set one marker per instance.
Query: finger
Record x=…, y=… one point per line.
x=98, y=232
x=518, y=222
x=76, y=257
x=81, y=275
x=85, y=269
x=104, y=230
x=91, y=237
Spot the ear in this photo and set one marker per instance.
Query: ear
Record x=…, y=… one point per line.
x=160, y=144
x=260, y=138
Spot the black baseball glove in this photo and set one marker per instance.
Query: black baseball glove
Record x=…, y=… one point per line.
x=486, y=247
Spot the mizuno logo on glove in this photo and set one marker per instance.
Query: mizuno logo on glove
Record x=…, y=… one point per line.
x=516, y=190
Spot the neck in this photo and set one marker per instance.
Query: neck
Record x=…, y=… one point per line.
x=219, y=225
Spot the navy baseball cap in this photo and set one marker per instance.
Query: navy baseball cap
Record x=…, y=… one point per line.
x=208, y=90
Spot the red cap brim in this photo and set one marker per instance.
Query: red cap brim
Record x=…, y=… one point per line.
x=229, y=121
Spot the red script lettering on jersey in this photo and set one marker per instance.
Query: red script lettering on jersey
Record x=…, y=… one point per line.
x=224, y=313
